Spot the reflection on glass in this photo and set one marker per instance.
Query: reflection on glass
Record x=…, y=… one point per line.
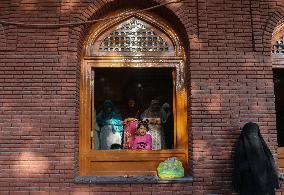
x=133, y=109
x=110, y=122
x=279, y=104
x=153, y=114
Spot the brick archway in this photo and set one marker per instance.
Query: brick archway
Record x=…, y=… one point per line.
x=271, y=24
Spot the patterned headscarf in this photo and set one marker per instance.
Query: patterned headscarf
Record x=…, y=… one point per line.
x=110, y=118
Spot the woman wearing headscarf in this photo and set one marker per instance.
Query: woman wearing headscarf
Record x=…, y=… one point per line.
x=168, y=125
x=110, y=121
x=254, y=167
x=166, y=112
x=130, y=122
x=154, y=114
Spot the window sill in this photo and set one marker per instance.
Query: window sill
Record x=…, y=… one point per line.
x=129, y=180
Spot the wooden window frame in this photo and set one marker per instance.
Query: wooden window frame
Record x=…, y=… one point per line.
x=131, y=162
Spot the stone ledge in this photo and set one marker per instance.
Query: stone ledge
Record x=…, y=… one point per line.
x=130, y=180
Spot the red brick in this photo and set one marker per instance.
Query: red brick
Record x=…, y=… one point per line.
x=39, y=193
x=19, y=193
x=229, y=84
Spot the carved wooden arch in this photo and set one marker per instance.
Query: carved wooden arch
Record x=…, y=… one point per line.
x=166, y=41
x=278, y=40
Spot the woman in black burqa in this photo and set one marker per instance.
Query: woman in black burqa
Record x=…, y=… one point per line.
x=254, y=166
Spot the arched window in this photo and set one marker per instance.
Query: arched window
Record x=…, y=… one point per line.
x=277, y=53
x=135, y=59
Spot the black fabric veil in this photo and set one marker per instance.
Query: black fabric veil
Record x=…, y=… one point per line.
x=254, y=167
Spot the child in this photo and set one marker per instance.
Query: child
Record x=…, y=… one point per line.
x=142, y=140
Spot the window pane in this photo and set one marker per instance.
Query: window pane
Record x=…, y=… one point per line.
x=279, y=104
x=134, y=108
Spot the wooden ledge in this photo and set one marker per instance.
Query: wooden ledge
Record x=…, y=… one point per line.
x=129, y=180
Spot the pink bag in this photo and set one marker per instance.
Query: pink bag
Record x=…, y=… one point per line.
x=129, y=133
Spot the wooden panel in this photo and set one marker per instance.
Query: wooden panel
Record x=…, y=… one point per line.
x=133, y=156
x=110, y=168
x=281, y=157
x=144, y=165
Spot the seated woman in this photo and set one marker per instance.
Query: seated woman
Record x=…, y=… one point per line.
x=130, y=115
x=110, y=121
x=154, y=115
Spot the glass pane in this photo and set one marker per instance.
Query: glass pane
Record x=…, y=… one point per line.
x=279, y=104
x=134, y=109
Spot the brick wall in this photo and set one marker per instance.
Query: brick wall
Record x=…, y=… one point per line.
x=229, y=76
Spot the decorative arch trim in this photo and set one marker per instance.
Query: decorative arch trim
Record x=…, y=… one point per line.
x=137, y=34
x=277, y=40
x=277, y=46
